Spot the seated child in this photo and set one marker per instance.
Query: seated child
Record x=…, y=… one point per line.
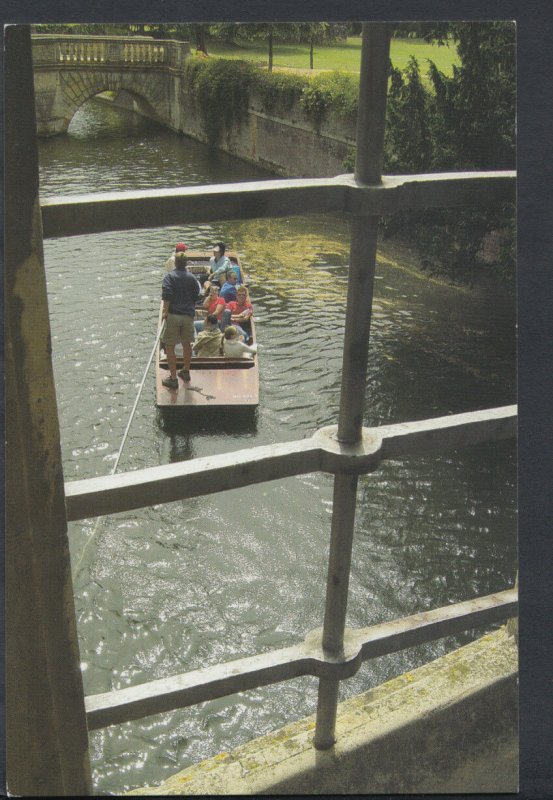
x=233, y=347
x=209, y=341
x=213, y=304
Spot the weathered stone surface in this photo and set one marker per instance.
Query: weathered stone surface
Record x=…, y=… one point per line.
x=70, y=70
x=449, y=727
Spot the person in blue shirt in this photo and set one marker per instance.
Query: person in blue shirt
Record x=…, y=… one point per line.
x=228, y=289
x=219, y=264
x=237, y=269
x=179, y=292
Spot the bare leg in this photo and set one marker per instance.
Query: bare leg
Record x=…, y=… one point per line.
x=186, y=355
x=171, y=359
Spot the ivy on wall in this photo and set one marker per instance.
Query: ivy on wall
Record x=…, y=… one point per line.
x=220, y=90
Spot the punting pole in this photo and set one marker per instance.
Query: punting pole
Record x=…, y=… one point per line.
x=154, y=348
x=127, y=429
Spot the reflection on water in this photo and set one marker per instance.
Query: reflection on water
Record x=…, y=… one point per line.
x=179, y=586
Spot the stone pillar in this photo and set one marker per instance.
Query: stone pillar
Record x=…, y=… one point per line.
x=51, y=117
x=47, y=741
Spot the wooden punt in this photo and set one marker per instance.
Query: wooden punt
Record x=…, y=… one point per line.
x=216, y=382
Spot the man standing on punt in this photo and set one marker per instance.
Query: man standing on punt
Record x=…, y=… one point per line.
x=179, y=293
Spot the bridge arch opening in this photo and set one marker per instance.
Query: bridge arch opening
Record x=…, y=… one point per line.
x=116, y=113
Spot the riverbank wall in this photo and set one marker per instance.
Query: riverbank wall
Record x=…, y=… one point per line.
x=289, y=145
x=449, y=726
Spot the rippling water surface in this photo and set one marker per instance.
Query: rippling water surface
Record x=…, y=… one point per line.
x=180, y=586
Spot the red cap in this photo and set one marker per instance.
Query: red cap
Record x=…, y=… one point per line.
x=181, y=247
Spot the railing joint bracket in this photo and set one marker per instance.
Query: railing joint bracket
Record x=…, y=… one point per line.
x=360, y=457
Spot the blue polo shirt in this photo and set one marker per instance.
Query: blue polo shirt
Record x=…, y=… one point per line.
x=182, y=289
x=228, y=292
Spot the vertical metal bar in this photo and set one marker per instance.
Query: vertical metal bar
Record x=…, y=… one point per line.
x=371, y=115
x=371, y=121
x=47, y=740
x=339, y=561
x=370, y=145
x=358, y=324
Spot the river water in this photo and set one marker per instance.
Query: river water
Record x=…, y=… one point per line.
x=176, y=587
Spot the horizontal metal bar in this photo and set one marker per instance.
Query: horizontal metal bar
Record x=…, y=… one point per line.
x=190, y=688
x=307, y=658
x=390, y=637
x=200, y=476
x=456, y=430
x=158, y=208
x=431, y=190
x=322, y=452
x=111, y=211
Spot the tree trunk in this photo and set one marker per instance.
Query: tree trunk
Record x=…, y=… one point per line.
x=270, y=51
x=311, y=55
x=201, y=45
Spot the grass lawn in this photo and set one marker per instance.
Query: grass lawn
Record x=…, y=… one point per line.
x=343, y=56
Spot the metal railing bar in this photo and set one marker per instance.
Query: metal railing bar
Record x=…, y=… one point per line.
x=430, y=190
x=127, y=491
x=190, y=688
x=457, y=430
x=306, y=658
x=371, y=123
x=159, y=208
x=424, y=627
x=76, y=215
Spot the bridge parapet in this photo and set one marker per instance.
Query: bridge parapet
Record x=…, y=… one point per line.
x=69, y=70
x=82, y=51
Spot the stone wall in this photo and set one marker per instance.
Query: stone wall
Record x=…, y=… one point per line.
x=288, y=145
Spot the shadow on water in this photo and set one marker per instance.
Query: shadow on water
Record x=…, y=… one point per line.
x=206, y=421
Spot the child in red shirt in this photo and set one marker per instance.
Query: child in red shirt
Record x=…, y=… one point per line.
x=213, y=304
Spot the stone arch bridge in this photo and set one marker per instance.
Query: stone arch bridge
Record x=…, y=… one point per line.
x=147, y=75
x=144, y=73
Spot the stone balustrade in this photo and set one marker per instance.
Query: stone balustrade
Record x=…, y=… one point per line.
x=83, y=51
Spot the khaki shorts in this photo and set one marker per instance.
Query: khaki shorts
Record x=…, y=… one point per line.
x=178, y=328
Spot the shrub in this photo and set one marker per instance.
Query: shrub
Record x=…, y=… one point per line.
x=278, y=91
x=220, y=89
x=331, y=93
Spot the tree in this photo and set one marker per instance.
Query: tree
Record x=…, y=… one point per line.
x=311, y=33
x=477, y=104
x=314, y=33
x=224, y=31
x=263, y=31
x=409, y=142
x=201, y=44
x=271, y=32
x=461, y=122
